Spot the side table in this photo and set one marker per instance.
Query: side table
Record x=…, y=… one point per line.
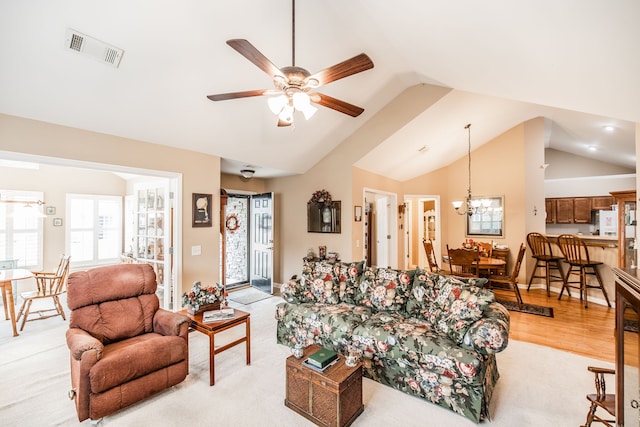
x=212, y=328
x=332, y=398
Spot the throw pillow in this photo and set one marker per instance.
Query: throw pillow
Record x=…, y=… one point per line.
x=457, y=306
x=320, y=285
x=385, y=289
x=347, y=276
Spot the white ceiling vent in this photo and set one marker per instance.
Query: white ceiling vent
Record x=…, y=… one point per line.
x=88, y=46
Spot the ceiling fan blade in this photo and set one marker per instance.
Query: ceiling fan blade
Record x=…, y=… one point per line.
x=234, y=95
x=282, y=123
x=250, y=52
x=335, y=104
x=344, y=69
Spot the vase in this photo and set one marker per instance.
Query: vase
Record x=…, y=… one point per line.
x=202, y=308
x=297, y=351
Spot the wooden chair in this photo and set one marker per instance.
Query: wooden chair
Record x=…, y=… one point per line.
x=50, y=285
x=600, y=399
x=542, y=252
x=485, y=249
x=576, y=254
x=463, y=262
x=512, y=280
x=431, y=256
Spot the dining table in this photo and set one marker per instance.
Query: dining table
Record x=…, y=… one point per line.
x=487, y=264
x=6, y=277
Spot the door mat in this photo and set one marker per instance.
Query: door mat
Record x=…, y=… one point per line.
x=630, y=325
x=527, y=308
x=248, y=296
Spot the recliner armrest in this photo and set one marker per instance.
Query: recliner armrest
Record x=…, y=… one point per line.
x=167, y=323
x=80, y=341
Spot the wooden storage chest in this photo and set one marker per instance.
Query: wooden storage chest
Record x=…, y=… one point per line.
x=332, y=398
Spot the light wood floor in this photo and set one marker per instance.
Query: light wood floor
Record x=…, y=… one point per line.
x=587, y=332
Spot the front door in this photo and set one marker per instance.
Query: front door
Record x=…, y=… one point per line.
x=262, y=242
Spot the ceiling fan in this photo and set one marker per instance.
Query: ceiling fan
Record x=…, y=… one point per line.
x=294, y=86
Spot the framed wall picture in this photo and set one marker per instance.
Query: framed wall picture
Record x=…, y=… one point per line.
x=324, y=218
x=201, y=207
x=51, y=210
x=489, y=219
x=57, y=222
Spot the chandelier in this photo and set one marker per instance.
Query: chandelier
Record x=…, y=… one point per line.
x=470, y=206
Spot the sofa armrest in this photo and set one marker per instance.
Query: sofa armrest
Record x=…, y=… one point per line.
x=80, y=341
x=490, y=334
x=292, y=290
x=168, y=323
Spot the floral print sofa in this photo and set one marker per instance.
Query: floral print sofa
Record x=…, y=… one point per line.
x=429, y=335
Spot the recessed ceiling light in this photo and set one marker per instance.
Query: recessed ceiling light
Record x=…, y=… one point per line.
x=608, y=128
x=591, y=148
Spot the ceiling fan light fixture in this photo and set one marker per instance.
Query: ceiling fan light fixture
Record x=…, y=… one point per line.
x=286, y=115
x=276, y=104
x=301, y=102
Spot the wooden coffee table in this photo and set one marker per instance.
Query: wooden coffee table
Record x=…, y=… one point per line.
x=329, y=398
x=211, y=329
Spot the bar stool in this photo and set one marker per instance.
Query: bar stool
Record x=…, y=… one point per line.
x=576, y=255
x=543, y=254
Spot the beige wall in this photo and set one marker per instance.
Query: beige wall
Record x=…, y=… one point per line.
x=200, y=174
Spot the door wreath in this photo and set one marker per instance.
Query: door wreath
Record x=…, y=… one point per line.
x=232, y=223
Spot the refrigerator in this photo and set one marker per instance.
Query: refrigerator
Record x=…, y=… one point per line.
x=609, y=223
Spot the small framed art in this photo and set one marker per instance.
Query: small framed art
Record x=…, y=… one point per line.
x=201, y=210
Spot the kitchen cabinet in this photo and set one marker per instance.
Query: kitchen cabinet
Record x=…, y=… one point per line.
x=575, y=210
x=582, y=210
x=550, y=209
x=564, y=211
x=602, y=203
x=626, y=202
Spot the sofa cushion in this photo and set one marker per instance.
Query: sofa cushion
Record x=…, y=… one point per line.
x=330, y=325
x=384, y=289
x=347, y=275
x=135, y=357
x=414, y=342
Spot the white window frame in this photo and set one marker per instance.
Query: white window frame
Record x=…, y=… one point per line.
x=9, y=231
x=96, y=228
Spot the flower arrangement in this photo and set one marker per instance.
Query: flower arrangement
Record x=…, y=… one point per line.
x=198, y=295
x=320, y=197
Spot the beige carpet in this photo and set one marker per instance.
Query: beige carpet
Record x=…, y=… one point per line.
x=539, y=386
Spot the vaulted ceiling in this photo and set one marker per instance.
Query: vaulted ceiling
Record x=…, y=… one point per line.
x=575, y=62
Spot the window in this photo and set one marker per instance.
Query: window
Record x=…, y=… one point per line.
x=94, y=229
x=490, y=220
x=21, y=228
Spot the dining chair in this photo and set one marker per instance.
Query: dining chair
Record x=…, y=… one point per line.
x=485, y=249
x=542, y=252
x=463, y=262
x=512, y=280
x=49, y=285
x=601, y=399
x=576, y=254
x=431, y=256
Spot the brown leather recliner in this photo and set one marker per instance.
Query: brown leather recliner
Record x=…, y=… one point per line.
x=124, y=348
